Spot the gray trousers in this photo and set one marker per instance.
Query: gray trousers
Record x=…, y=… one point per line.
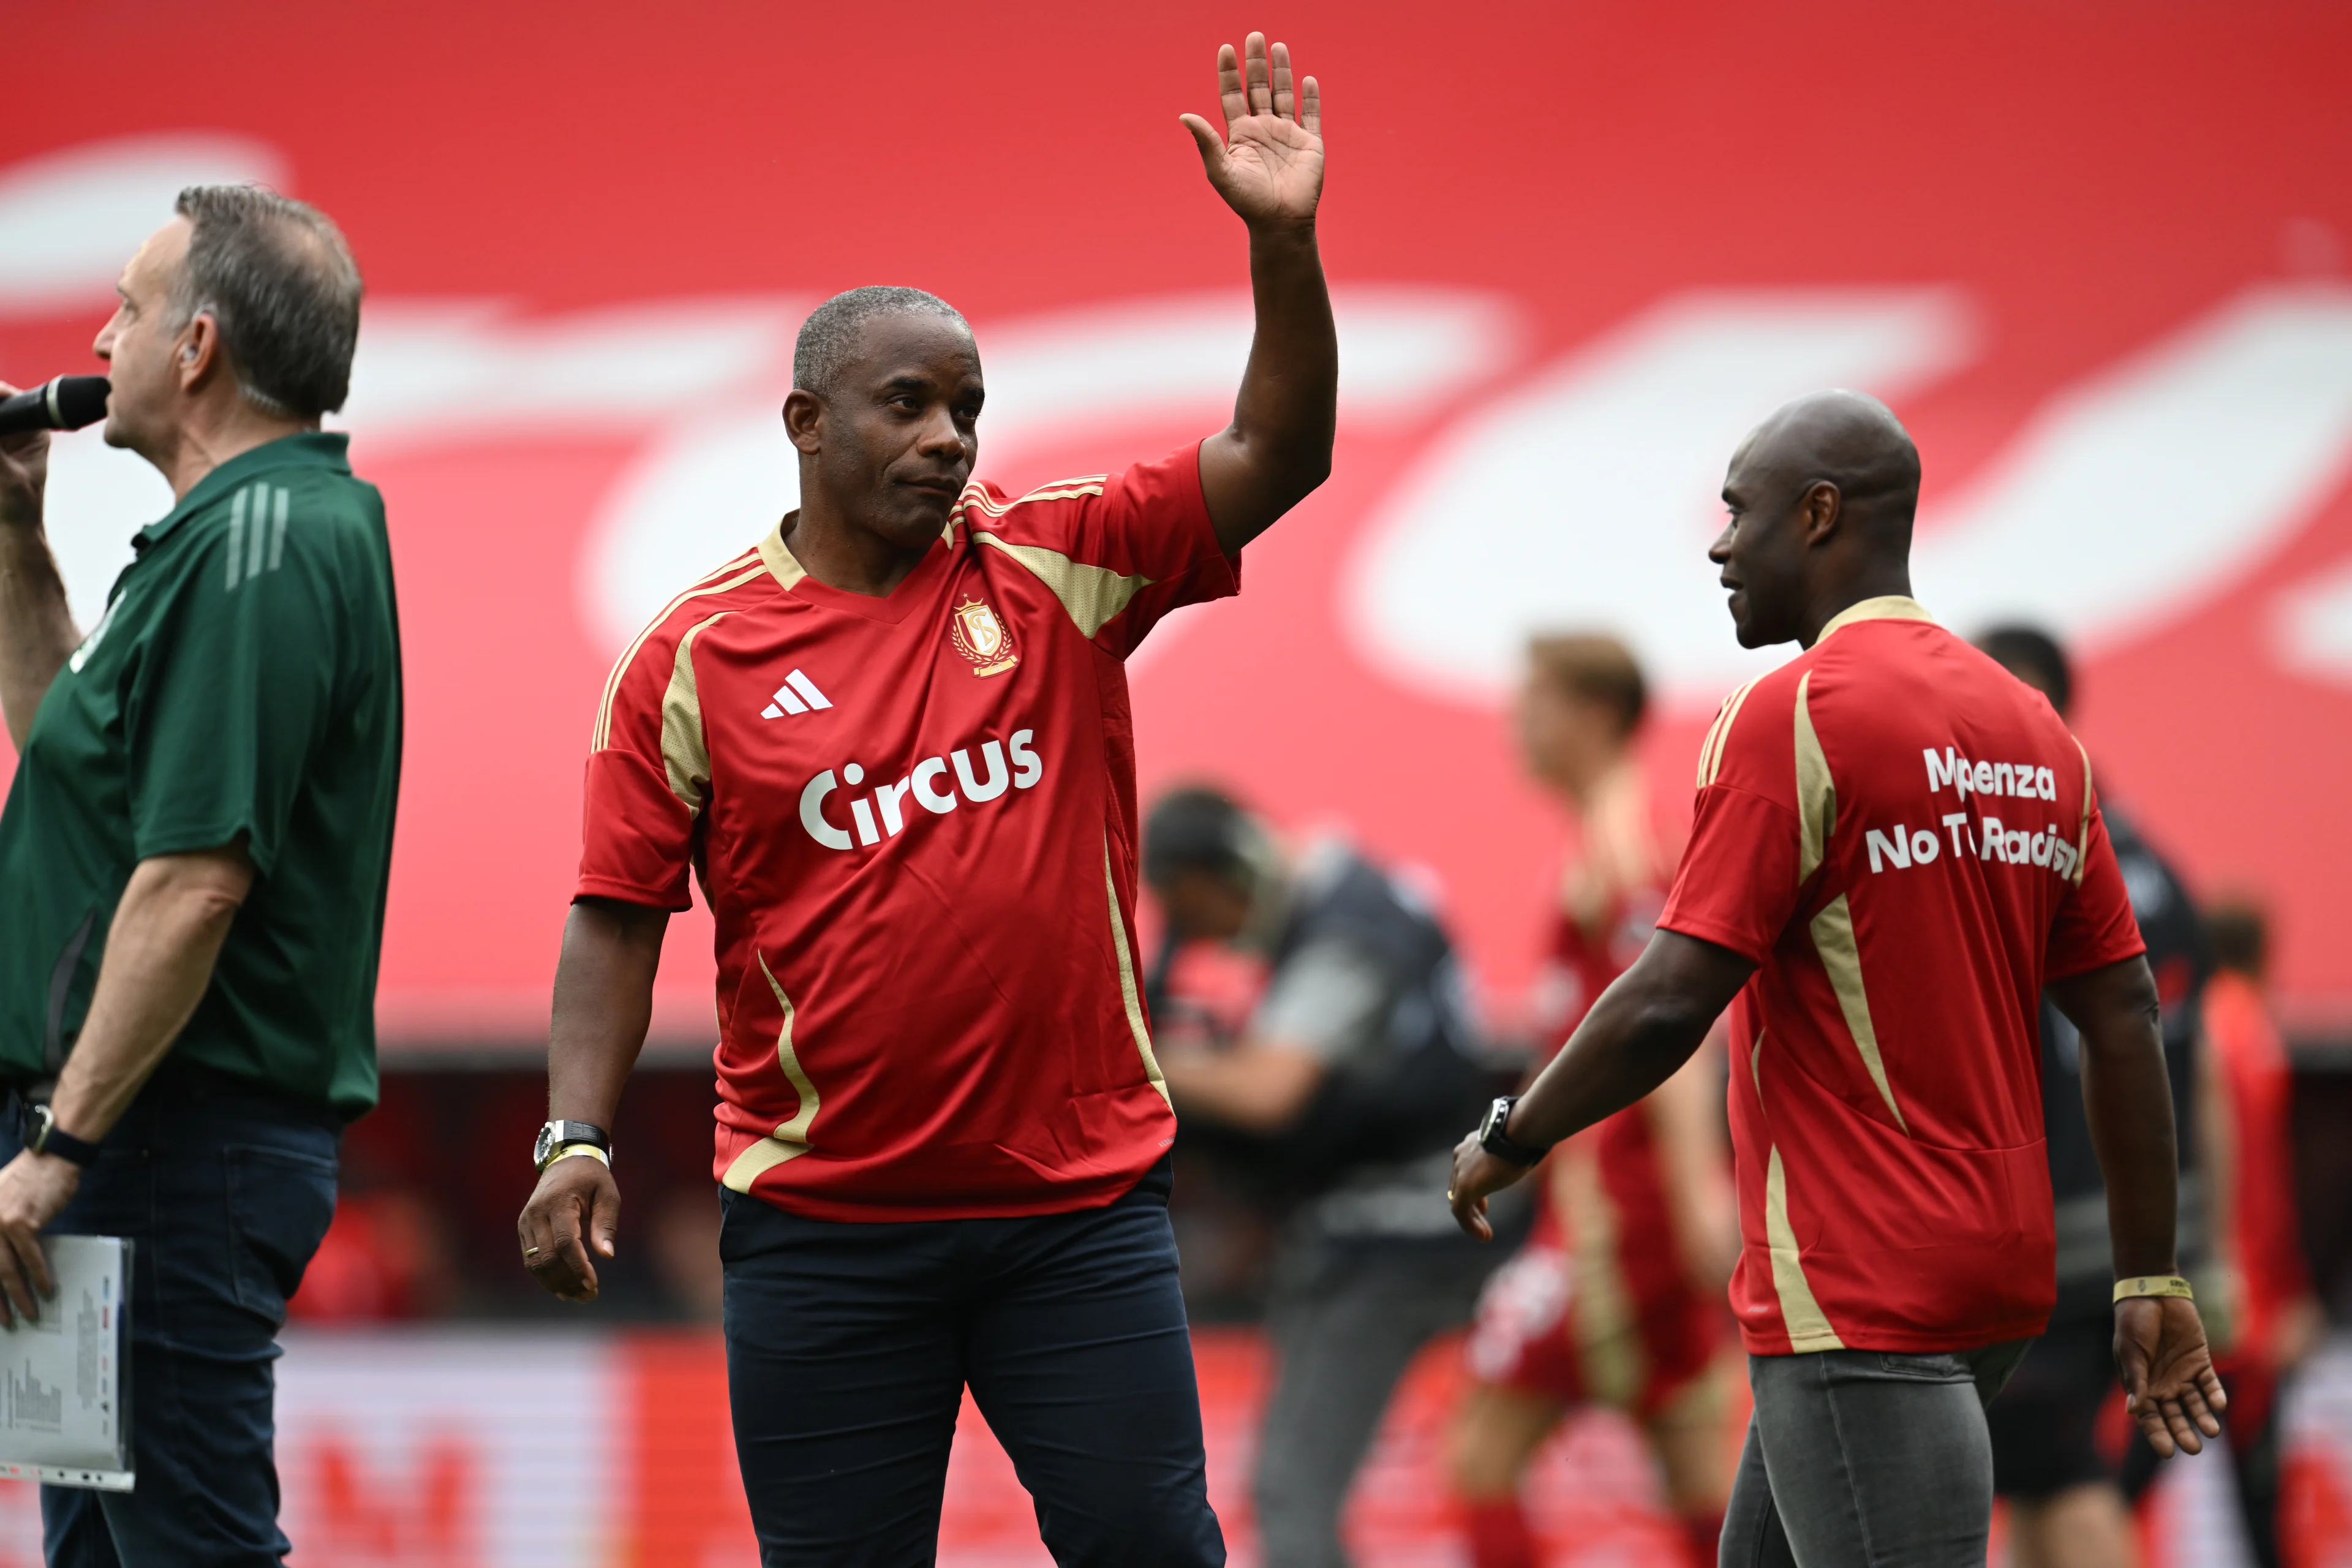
x=1344, y=1326
x=1867, y=1459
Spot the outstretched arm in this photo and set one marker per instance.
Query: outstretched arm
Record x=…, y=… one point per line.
x=1644, y=1027
x=2168, y=1371
x=1268, y=167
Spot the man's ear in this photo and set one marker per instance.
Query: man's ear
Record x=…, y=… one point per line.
x=803, y=420
x=198, y=351
x=1818, y=511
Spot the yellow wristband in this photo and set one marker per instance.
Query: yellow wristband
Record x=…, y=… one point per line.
x=568, y=1150
x=2154, y=1285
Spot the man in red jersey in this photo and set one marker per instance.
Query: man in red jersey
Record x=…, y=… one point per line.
x=1616, y=1300
x=892, y=742
x=1896, y=847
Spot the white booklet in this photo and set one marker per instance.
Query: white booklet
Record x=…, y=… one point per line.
x=65, y=1380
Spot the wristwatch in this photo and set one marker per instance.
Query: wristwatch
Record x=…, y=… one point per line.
x=1492, y=1138
x=38, y=1129
x=557, y=1137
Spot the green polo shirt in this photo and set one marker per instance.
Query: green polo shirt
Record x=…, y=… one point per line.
x=243, y=686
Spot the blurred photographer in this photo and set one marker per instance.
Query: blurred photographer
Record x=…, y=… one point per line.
x=1345, y=1086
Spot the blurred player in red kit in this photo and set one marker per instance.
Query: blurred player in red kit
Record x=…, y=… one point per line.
x=1616, y=1298
x=2269, y=1318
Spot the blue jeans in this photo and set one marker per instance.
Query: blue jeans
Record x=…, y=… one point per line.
x=226, y=1194
x=849, y=1347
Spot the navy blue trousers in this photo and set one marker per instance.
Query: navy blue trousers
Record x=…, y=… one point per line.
x=849, y=1347
x=225, y=1195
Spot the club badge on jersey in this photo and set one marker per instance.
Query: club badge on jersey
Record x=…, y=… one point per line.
x=981, y=637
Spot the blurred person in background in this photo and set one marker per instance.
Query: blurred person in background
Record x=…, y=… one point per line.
x=194, y=857
x=1616, y=1298
x=2068, y=1508
x=1352, y=1076
x=2267, y=1318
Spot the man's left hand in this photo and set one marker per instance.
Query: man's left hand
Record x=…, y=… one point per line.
x=1477, y=1175
x=33, y=1189
x=1268, y=165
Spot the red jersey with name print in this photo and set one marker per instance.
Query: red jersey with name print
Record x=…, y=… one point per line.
x=913, y=817
x=1904, y=839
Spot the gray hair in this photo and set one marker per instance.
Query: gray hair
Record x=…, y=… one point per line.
x=829, y=337
x=278, y=279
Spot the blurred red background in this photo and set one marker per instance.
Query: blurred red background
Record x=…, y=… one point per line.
x=2060, y=198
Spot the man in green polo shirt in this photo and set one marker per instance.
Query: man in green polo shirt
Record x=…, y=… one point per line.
x=193, y=859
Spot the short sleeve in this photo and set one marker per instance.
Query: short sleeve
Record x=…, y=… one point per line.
x=1737, y=884
x=637, y=830
x=1121, y=551
x=234, y=690
x=2094, y=925
x=1741, y=870
x=1328, y=999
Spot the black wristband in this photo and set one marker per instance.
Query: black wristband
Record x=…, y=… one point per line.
x=42, y=1135
x=1496, y=1142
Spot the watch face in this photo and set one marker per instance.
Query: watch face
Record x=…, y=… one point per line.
x=1496, y=1114
x=538, y=1151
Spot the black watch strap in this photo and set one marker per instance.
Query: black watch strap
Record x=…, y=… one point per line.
x=42, y=1135
x=1496, y=1142
x=557, y=1135
x=562, y=1132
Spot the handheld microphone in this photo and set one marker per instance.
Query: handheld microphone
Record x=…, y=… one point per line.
x=63, y=403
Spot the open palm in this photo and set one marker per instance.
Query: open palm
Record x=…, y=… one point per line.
x=1268, y=165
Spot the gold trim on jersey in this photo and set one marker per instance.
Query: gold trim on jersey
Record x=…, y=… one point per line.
x=975, y=494
x=1840, y=953
x=1719, y=734
x=789, y=1141
x=1816, y=791
x=1885, y=607
x=1092, y=596
x=1127, y=992
x=603, y=735
x=2082, y=843
x=685, y=751
x=1809, y=1327
x=777, y=558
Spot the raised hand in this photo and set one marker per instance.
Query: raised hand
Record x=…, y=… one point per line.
x=2169, y=1386
x=1268, y=165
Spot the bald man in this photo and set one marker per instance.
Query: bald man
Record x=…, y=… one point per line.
x=1897, y=846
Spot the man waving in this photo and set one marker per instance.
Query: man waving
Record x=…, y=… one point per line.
x=892, y=742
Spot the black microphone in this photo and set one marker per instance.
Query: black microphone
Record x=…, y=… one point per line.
x=63, y=403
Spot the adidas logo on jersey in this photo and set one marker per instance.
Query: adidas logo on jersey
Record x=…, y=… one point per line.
x=798, y=694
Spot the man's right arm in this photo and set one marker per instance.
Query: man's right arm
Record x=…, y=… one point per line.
x=2160, y=1350
x=603, y=1004
x=37, y=628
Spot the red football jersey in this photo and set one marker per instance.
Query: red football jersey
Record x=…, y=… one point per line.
x=2262, y=1236
x=1906, y=840
x=914, y=820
